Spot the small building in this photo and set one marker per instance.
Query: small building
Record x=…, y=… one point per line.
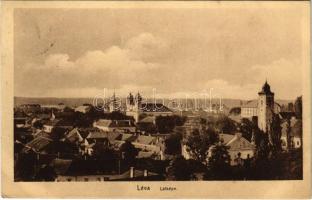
x=238, y=147
x=30, y=108
x=115, y=125
x=59, y=123
x=83, y=109
x=90, y=171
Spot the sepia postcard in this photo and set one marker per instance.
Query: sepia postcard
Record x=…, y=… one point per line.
x=156, y=99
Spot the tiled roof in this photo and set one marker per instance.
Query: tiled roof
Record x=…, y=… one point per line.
x=111, y=136
x=145, y=154
x=37, y=144
x=239, y=143
x=114, y=123
x=144, y=139
x=127, y=137
x=59, y=123
x=41, y=133
x=148, y=119
x=225, y=137
x=74, y=135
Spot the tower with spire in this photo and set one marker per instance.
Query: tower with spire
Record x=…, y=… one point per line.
x=114, y=104
x=265, y=107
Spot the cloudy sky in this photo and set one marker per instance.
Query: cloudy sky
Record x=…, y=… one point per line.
x=79, y=52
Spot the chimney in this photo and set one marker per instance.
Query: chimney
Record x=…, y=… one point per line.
x=145, y=173
x=132, y=175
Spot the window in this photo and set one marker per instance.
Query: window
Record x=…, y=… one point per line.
x=98, y=179
x=86, y=179
x=69, y=179
x=298, y=143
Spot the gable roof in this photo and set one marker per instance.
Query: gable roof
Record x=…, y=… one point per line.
x=83, y=109
x=148, y=119
x=37, y=144
x=239, y=143
x=74, y=136
x=114, y=123
x=127, y=137
x=111, y=136
x=145, y=139
x=225, y=137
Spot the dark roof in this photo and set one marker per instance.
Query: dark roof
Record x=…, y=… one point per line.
x=73, y=136
x=37, y=144
x=20, y=114
x=111, y=136
x=127, y=137
x=287, y=115
x=41, y=133
x=91, y=167
x=60, y=123
x=154, y=107
x=266, y=89
x=114, y=123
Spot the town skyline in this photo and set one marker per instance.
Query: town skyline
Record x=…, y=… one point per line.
x=80, y=59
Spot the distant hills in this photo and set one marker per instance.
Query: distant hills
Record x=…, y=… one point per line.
x=73, y=102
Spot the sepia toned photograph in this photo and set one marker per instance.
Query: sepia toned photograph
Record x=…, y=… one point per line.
x=160, y=94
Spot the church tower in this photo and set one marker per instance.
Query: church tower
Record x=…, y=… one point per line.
x=134, y=105
x=265, y=107
x=130, y=102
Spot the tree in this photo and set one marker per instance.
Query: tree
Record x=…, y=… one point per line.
x=173, y=144
x=179, y=169
x=235, y=111
x=246, y=128
x=298, y=107
x=128, y=153
x=219, y=163
x=225, y=124
x=199, y=142
x=275, y=133
x=166, y=124
x=38, y=124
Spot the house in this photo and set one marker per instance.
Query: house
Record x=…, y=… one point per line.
x=20, y=119
x=90, y=171
x=83, y=109
x=250, y=109
x=59, y=123
x=115, y=125
x=238, y=147
x=39, y=145
x=30, y=108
